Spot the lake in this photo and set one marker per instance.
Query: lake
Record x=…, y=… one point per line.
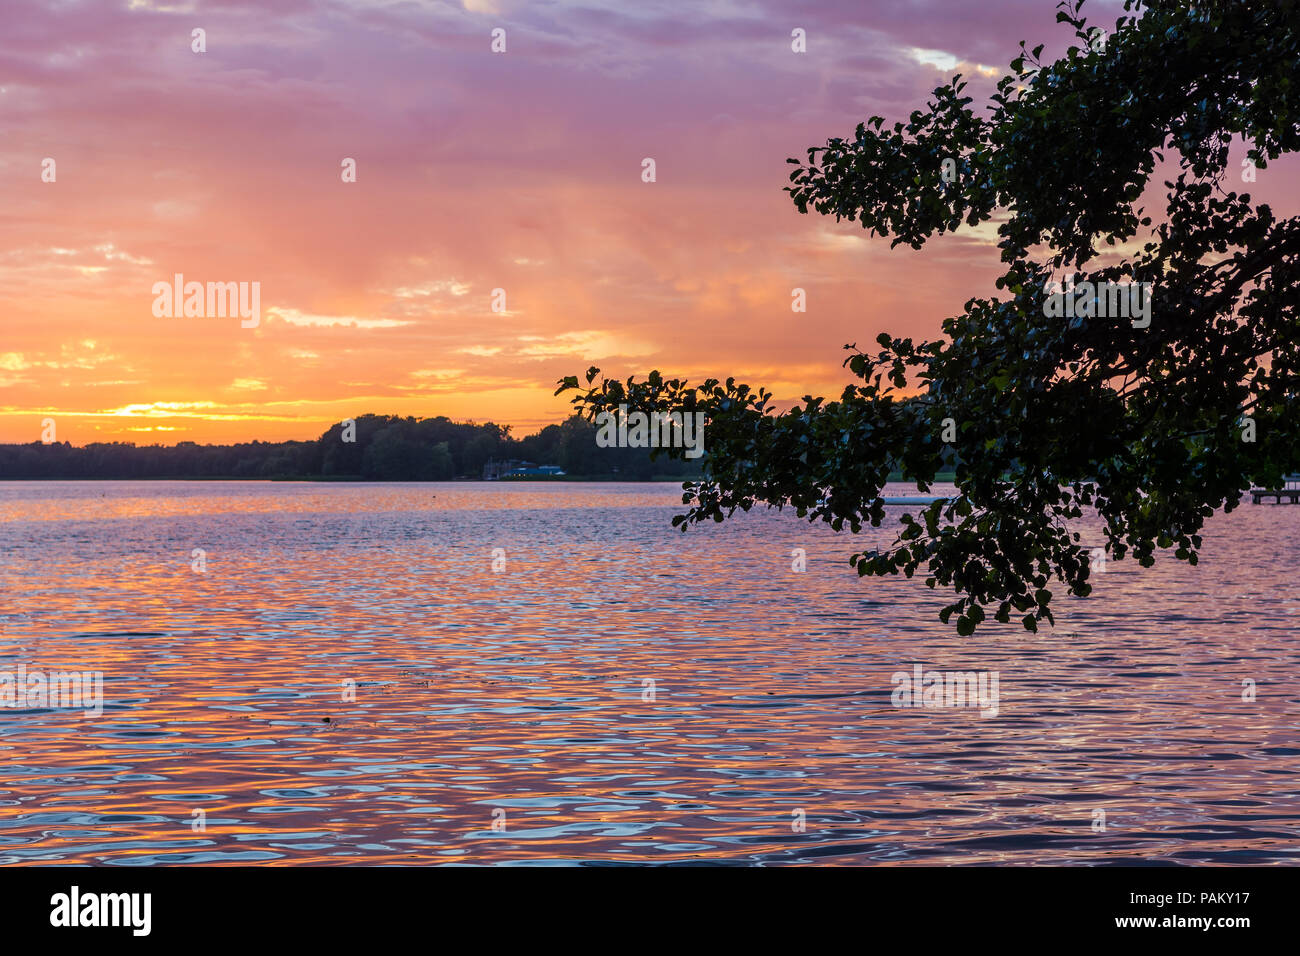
x=542, y=673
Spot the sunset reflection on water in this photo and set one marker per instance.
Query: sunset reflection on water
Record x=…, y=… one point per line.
x=522, y=691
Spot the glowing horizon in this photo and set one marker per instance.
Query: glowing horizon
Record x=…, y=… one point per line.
x=475, y=171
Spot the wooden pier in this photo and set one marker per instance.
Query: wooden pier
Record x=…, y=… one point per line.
x=1288, y=494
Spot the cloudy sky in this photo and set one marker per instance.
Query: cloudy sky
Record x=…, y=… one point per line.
x=475, y=171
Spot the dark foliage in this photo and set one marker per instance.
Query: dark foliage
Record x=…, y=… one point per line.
x=1156, y=427
x=387, y=448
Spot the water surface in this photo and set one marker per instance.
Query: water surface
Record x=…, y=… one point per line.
x=505, y=716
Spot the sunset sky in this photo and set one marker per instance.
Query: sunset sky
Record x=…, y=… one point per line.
x=475, y=170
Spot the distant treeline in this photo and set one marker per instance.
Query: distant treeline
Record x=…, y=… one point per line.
x=387, y=448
